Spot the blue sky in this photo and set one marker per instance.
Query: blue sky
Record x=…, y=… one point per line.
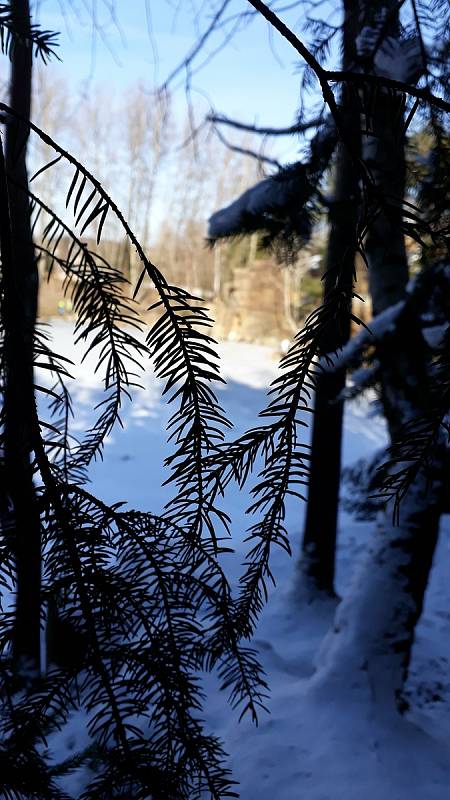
x=248, y=79
x=255, y=77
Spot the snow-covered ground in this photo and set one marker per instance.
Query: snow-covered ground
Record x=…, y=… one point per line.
x=313, y=745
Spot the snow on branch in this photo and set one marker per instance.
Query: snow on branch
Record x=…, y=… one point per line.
x=381, y=326
x=398, y=59
x=280, y=198
x=248, y=212
x=388, y=322
x=360, y=380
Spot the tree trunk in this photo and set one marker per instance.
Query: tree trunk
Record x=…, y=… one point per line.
x=403, y=366
x=374, y=626
x=373, y=632
x=317, y=563
x=384, y=154
x=21, y=287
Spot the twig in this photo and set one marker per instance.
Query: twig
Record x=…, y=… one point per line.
x=196, y=49
x=245, y=151
x=298, y=127
x=325, y=76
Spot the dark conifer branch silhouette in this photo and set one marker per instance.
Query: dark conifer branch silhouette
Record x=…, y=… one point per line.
x=142, y=599
x=178, y=332
x=257, y=209
x=285, y=457
x=363, y=79
x=325, y=76
x=105, y=321
x=116, y=577
x=14, y=28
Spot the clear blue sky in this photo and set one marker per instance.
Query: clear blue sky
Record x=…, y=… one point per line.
x=245, y=79
x=254, y=77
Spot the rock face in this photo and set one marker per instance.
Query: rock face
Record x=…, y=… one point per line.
x=252, y=305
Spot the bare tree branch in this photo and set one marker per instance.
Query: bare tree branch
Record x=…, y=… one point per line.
x=361, y=79
x=198, y=46
x=245, y=151
x=325, y=77
x=298, y=127
x=320, y=72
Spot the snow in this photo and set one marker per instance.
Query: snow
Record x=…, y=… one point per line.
x=274, y=195
x=398, y=59
x=269, y=195
x=434, y=336
x=351, y=355
x=324, y=739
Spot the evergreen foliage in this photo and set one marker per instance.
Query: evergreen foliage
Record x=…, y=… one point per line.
x=423, y=217
x=145, y=599
x=13, y=28
x=284, y=206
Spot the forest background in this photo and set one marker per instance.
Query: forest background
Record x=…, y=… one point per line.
x=112, y=581
x=170, y=168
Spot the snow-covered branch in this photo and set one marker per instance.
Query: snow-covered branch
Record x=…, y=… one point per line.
x=386, y=324
x=248, y=212
x=280, y=196
x=351, y=355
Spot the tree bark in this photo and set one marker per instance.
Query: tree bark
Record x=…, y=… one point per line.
x=388, y=264
x=21, y=288
x=317, y=562
x=373, y=631
x=404, y=378
x=374, y=626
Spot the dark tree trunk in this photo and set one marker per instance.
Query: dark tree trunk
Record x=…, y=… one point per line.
x=21, y=287
x=405, y=397
x=374, y=626
x=316, y=568
x=373, y=630
x=404, y=379
x=384, y=153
